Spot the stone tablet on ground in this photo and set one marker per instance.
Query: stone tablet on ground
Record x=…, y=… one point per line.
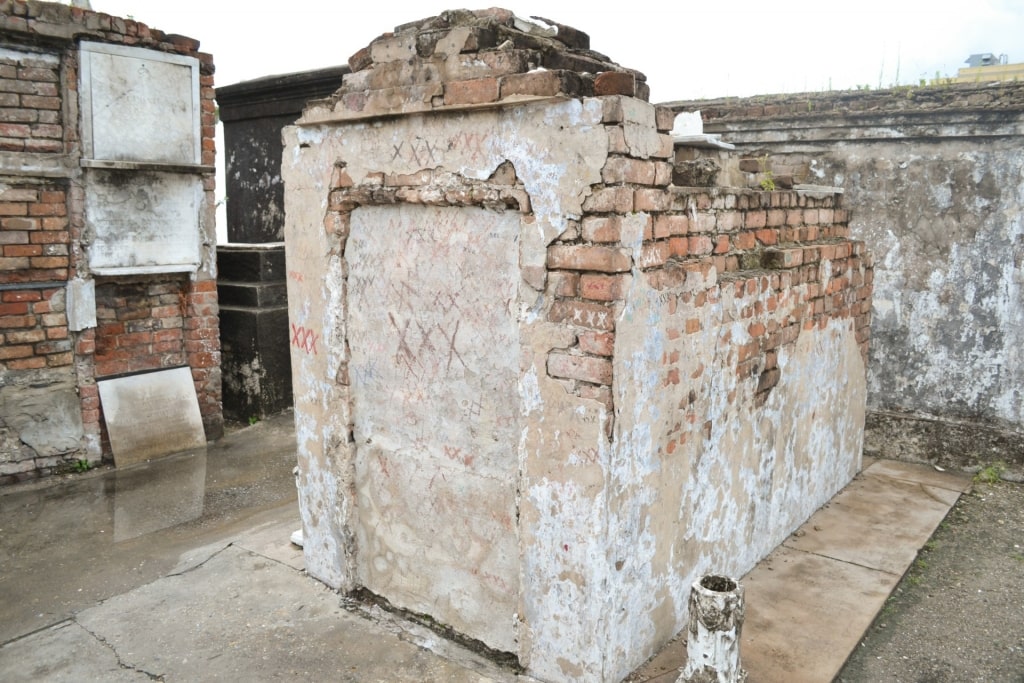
x=151, y=415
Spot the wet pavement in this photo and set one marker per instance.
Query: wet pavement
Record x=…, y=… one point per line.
x=181, y=570
x=69, y=542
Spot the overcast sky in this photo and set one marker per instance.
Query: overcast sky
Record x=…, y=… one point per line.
x=692, y=50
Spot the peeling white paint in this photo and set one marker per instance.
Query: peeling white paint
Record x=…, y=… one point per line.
x=720, y=501
x=946, y=226
x=575, y=551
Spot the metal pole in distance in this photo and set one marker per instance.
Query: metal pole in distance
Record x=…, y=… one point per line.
x=713, y=634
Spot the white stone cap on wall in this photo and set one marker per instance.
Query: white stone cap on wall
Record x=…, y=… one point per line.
x=688, y=131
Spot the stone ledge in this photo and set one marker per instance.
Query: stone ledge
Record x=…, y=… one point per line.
x=949, y=443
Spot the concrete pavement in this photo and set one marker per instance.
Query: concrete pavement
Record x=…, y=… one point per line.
x=222, y=595
x=811, y=600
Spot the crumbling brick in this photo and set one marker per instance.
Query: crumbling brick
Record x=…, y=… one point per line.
x=542, y=84
x=476, y=91
x=582, y=368
x=615, y=83
x=584, y=257
x=603, y=287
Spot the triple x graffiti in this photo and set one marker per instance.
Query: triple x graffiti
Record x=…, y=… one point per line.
x=304, y=338
x=422, y=151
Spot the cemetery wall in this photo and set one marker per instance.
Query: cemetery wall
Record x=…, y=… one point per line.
x=71, y=312
x=936, y=176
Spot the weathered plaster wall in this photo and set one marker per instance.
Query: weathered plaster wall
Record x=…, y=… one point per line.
x=40, y=416
x=537, y=389
x=420, y=315
x=713, y=470
x=937, y=177
x=950, y=234
x=434, y=337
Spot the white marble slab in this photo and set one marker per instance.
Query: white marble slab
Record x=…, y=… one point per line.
x=143, y=220
x=151, y=415
x=139, y=105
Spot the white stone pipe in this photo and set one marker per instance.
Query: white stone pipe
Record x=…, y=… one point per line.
x=713, y=634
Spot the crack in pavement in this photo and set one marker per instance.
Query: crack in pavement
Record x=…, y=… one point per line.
x=822, y=554
x=113, y=650
x=44, y=627
x=194, y=567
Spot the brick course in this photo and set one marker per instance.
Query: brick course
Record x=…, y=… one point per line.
x=30, y=102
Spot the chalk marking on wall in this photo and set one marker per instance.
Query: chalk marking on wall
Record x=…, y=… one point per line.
x=422, y=150
x=304, y=338
x=471, y=407
x=452, y=351
x=418, y=150
x=404, y=355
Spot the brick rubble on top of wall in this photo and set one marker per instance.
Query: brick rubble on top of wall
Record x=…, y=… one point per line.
x=463, y=59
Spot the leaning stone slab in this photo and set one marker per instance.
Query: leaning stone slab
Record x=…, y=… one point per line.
x=151, y=415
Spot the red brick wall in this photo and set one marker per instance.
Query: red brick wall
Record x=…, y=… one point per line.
x=34, y=239
x=33, y=261
x=139, y=326
x=761, y=244
x=202, y=348
x=30, y=105
x=32, y=334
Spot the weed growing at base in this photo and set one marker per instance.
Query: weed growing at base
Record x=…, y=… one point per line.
x=990, y=474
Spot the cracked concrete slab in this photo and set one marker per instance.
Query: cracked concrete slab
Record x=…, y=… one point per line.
x=803, y=610
x=242, y=612
x=857, y=526
x=272, y=540
x=64, y=653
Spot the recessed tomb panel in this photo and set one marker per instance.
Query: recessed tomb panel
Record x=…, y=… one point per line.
x=143, y=221
x=433, y=332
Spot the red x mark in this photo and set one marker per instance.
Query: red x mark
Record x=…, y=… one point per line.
x=304, y=338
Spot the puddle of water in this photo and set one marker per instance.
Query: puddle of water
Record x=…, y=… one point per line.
x=169, y=492
x=64, y=545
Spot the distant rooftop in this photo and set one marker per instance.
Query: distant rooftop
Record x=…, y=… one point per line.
x=985, y=67
x=985, y=59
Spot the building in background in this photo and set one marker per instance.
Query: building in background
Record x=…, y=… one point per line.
x=987, y=68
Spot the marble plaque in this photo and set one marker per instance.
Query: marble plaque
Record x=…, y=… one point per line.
x=139, y=105
x=151, y=415
x=143, y=220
